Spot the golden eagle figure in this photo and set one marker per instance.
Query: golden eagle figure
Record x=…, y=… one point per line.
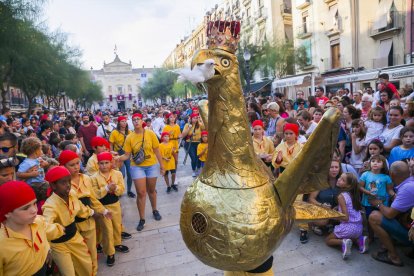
x=235, y=214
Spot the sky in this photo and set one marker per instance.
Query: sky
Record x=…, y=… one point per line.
x=145, y=32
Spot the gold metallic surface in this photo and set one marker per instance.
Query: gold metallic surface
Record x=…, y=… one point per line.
x=235, y=215
x=306, y=212
x=203, y=109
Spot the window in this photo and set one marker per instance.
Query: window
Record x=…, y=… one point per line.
x=119, y=89
x=109, y=88
x=308, y=46
x=335, y=56
x=260, y=3
x=129, y=88
x=305, y=22
x=143, y=75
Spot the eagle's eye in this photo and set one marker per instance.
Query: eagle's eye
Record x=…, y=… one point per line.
x=225, y=62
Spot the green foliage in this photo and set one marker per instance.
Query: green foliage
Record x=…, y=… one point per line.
x=159, y=86
x=276, y=60
x=39, y=62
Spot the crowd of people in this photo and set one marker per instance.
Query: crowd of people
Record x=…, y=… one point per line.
x=62, y=173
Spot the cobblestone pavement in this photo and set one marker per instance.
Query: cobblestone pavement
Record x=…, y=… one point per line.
x=160, y=251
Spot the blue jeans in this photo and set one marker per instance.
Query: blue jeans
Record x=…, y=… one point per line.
x=126, y=169
x=396, y=230
x=192, y=152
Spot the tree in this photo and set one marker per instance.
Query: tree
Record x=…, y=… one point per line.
x=15, y=18
x=276, y=60
x=159, y=86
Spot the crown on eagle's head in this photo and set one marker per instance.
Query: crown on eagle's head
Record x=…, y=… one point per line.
x=223, y=34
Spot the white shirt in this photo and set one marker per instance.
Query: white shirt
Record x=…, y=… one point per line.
x=105, y=130
x=157, y=126
x=390, y=134
x=374, y=130
x=311, y=128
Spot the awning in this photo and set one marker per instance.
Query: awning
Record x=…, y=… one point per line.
x=398, y=73
x=298, y=80
x=383, y=53
x=382, y=14
x=355, y=77
x=254, y=87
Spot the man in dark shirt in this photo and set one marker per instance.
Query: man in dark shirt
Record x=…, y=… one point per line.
x=85, y=133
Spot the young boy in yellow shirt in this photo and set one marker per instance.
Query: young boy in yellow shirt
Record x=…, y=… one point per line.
x=99, y=145
x=81, y=184
x=108, y=185
x=23, y=238
x=167, y=150
x=202, y=148
x=69, y=251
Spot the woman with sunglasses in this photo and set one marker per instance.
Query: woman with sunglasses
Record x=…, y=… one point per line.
x=144, y=174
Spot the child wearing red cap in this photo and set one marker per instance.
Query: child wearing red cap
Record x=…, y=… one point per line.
x=23, y=238
x=81, y=185
x=69, y=251
x=98, y=145
x=167, y=150
x=287, y=150
x=173, y=129
x=202, y=148
x=108, y=185
x=263, y=146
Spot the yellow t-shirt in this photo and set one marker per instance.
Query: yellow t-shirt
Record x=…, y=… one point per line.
x=133, y=144
x=99, y=183
x=166, y=151
x=263, y=146
x=21, y=256
x=288, y=154
x=92, y=166
x=195, y=132
x=174, y=133
x=200, y=148
x=117, y=139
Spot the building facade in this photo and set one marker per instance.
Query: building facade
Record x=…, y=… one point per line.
x=350, y=37
x=121, y=84
x=261, y=20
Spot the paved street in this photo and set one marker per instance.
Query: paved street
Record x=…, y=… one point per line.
x=160, y=250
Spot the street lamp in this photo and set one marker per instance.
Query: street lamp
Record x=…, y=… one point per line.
x=247, y=56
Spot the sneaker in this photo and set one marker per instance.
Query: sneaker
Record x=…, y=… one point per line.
x=194, y=174
x=125, y=235
x=346, y=248
x=99, y=248
x=363, y=244
x=303, y=236
x=110, y=260
x=122, y=248
x=131, y=195
x=174, y=187
x=141, y=225
x=318, y=231
x=168, y=189
x=156, y=215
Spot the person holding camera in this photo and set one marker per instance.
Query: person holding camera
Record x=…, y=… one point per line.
x=192, y=135
x=117, y=141
x=106, y=127
x=142, y=146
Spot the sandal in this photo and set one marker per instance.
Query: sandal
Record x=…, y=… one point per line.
x=383, y=257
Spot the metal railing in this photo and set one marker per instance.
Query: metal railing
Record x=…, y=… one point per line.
x=395, y=21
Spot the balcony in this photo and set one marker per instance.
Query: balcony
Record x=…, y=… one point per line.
x=286, y=13
x=247, y=23
x=301, y=4
x=261, y=15
x=328, y=1
x=304, y=31
x=394, y=27
x=387, y=61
